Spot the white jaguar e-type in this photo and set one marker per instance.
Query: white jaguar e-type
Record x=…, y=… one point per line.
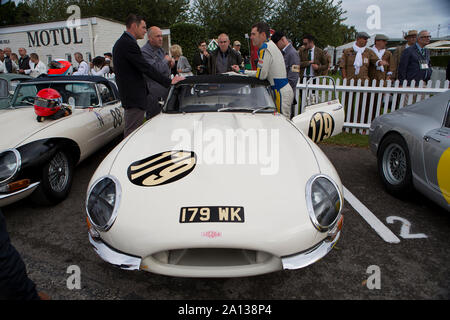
x=219, y=185
x=38, y=157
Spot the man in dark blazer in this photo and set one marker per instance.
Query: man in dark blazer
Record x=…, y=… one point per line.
x=200, y=61
x=130, y=67
x=415, y=61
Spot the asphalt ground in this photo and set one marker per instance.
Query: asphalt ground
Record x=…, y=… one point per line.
x=53, y=241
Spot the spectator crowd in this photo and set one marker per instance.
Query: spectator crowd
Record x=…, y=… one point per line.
x=410, y=61
x=32, y=65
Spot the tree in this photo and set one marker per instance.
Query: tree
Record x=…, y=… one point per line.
x=233, y=17
x=11, y=14
x=321, y=18
x=187, y=35
x=162, y=13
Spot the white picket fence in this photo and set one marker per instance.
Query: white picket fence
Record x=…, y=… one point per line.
x=362, y=102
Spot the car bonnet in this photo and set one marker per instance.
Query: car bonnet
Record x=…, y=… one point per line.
x=273, y=191
x=16, y=125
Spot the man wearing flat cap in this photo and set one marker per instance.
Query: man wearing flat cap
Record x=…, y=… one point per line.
x=411, y=38
x=356, y=60
x=290, y=55
x=291, y=60
x=378, y=71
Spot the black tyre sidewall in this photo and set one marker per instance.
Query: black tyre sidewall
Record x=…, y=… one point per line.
x=45, y=193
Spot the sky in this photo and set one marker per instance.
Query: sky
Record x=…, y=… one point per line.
x=396, y=16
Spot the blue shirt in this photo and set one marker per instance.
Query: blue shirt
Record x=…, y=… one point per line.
x=421, y=50
x=131, y=35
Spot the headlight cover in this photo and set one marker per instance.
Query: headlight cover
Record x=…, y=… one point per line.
x=10, y=162
x=103, y=201
x=324, y=202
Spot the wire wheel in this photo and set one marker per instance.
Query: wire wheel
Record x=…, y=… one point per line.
x=394, y=164
x=58, y=172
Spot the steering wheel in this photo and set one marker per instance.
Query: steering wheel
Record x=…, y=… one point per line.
x=28, y=99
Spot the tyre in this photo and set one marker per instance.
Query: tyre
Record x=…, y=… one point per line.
x=394, y=165
x=56, y=179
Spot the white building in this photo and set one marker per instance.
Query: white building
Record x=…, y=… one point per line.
x=91, y=36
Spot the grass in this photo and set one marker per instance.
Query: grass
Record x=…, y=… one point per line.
x=348, y=140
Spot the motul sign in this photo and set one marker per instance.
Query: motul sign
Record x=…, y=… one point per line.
x=53, y=37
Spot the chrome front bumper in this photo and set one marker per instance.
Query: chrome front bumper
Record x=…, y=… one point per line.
x=304, y=259
x=114, y=257
x=6, y=199
x=291, y=262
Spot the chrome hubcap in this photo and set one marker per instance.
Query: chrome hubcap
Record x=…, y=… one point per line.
x=394, y=164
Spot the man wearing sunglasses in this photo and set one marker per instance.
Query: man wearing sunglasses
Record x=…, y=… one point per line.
x=415, y=61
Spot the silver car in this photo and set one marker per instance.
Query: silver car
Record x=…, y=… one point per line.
x=412, y=146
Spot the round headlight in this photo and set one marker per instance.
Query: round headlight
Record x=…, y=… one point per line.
x=102, y=202
x=324, y=202
x=10, y=162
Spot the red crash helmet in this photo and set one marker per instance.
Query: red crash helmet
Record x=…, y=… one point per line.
x=47, y=102
x=59, y=67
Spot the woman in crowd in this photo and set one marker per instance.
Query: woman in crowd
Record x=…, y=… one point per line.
x=181, y=63
x=99, y=66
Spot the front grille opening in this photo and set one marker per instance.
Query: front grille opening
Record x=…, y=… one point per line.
x=212, y=257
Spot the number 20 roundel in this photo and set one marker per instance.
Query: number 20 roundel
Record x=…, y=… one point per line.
x=321, y=126
x=162, y=168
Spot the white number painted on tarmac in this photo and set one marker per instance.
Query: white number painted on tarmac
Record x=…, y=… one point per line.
x=406, y=226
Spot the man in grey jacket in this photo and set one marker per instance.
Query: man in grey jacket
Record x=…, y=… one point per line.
x=154, y=54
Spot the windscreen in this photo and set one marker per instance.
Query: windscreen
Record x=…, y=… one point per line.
x=79, y=95
x=213, y=97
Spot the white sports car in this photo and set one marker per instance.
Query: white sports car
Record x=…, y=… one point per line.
x=219, y=185
x=38, y=158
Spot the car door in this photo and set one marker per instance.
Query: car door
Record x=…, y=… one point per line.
x=111, y=111
x=436, y=152
x=321, y=121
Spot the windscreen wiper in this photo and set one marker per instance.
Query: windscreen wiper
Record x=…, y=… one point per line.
x=263, y=108
x=235, y=109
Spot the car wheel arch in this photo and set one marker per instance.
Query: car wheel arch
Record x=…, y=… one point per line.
x=49, y=146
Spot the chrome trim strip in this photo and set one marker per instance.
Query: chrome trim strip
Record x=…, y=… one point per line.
x=7, y=198
x=116, y=258
x=310, y=256
x=7, y=195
